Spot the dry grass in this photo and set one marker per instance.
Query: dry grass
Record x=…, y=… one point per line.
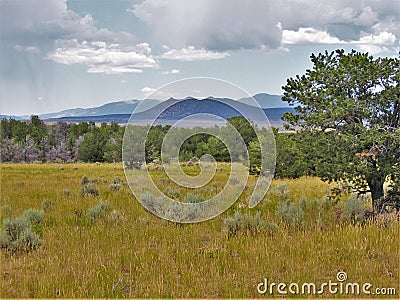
x=140, y=255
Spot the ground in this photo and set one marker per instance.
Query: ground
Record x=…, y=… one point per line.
x=132, y=253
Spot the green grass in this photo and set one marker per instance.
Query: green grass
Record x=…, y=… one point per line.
x=144, y=256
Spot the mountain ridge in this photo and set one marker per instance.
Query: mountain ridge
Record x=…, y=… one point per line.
x=128, y=106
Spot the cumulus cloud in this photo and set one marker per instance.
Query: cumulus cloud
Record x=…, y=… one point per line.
x=192, y=54
x=101, y=57
x=267, y=24
x=41, y=26
x=308, y=36
x=173, y=71
x=147, y=91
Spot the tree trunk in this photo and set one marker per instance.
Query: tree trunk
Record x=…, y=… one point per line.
x=375, y=185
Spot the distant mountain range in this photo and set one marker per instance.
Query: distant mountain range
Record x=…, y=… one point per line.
x=174, y=109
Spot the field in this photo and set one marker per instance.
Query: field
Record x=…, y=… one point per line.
x=132, y=253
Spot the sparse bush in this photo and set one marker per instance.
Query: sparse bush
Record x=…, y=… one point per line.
x=290, y=213
x=66, y=192
x=115, y=216
x=248, y=225
x=163, y=181
x=89, y=189
x=47, y=204
x=354, y=210
x=193, y=198
x=97, y=180
x=256, y=197
x=99, y=210
x=34, y=216
x=149, y=202
x=280, y=190
x=303, y=202
x=114, y=187
x=117, y=180
x=13, y=227
x=85, y=180
x=234, y=180
x=172, y=192
x=17, y=235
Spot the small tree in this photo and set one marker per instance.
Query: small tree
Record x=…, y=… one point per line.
x=349, y=104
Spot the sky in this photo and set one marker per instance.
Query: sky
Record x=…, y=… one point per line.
x=58, y=54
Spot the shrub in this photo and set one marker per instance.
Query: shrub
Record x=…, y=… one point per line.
x=256, y=197
x=34, y=216
x=193, y=198
x=163, y=181
x=281, y=190
x=13, y=227
x=67, y=192
x=115, y=216
x=234, y=180
x=248, y=225
x=290, y=213
x=114, y=187
x=99, y=210
x=85, y=180
x=150, y=203
x=47, y=204
x=354, y=210
x=97, y=180
x=17, y=235
x=117, y=180
x=89, y=189
x=172, y=192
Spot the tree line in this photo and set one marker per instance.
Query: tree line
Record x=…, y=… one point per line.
x=346, y=128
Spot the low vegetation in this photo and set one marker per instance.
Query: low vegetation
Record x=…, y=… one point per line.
x=110, y=246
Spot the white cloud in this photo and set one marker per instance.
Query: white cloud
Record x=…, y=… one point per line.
x=147, y=91
x=29, y=49
x=101, y=57
x=383, y=38
x=173, y=71
x=372, y=49
x=308, y=36
x=223, y=25
x=192, y=54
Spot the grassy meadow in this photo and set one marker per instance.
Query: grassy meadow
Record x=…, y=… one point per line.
x=132, y=253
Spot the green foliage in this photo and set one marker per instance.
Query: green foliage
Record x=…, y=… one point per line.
x=89, y=189
x=99, y=211
x=67, y=192
x=348, y=105
x=354, y=210
x=244, y=224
